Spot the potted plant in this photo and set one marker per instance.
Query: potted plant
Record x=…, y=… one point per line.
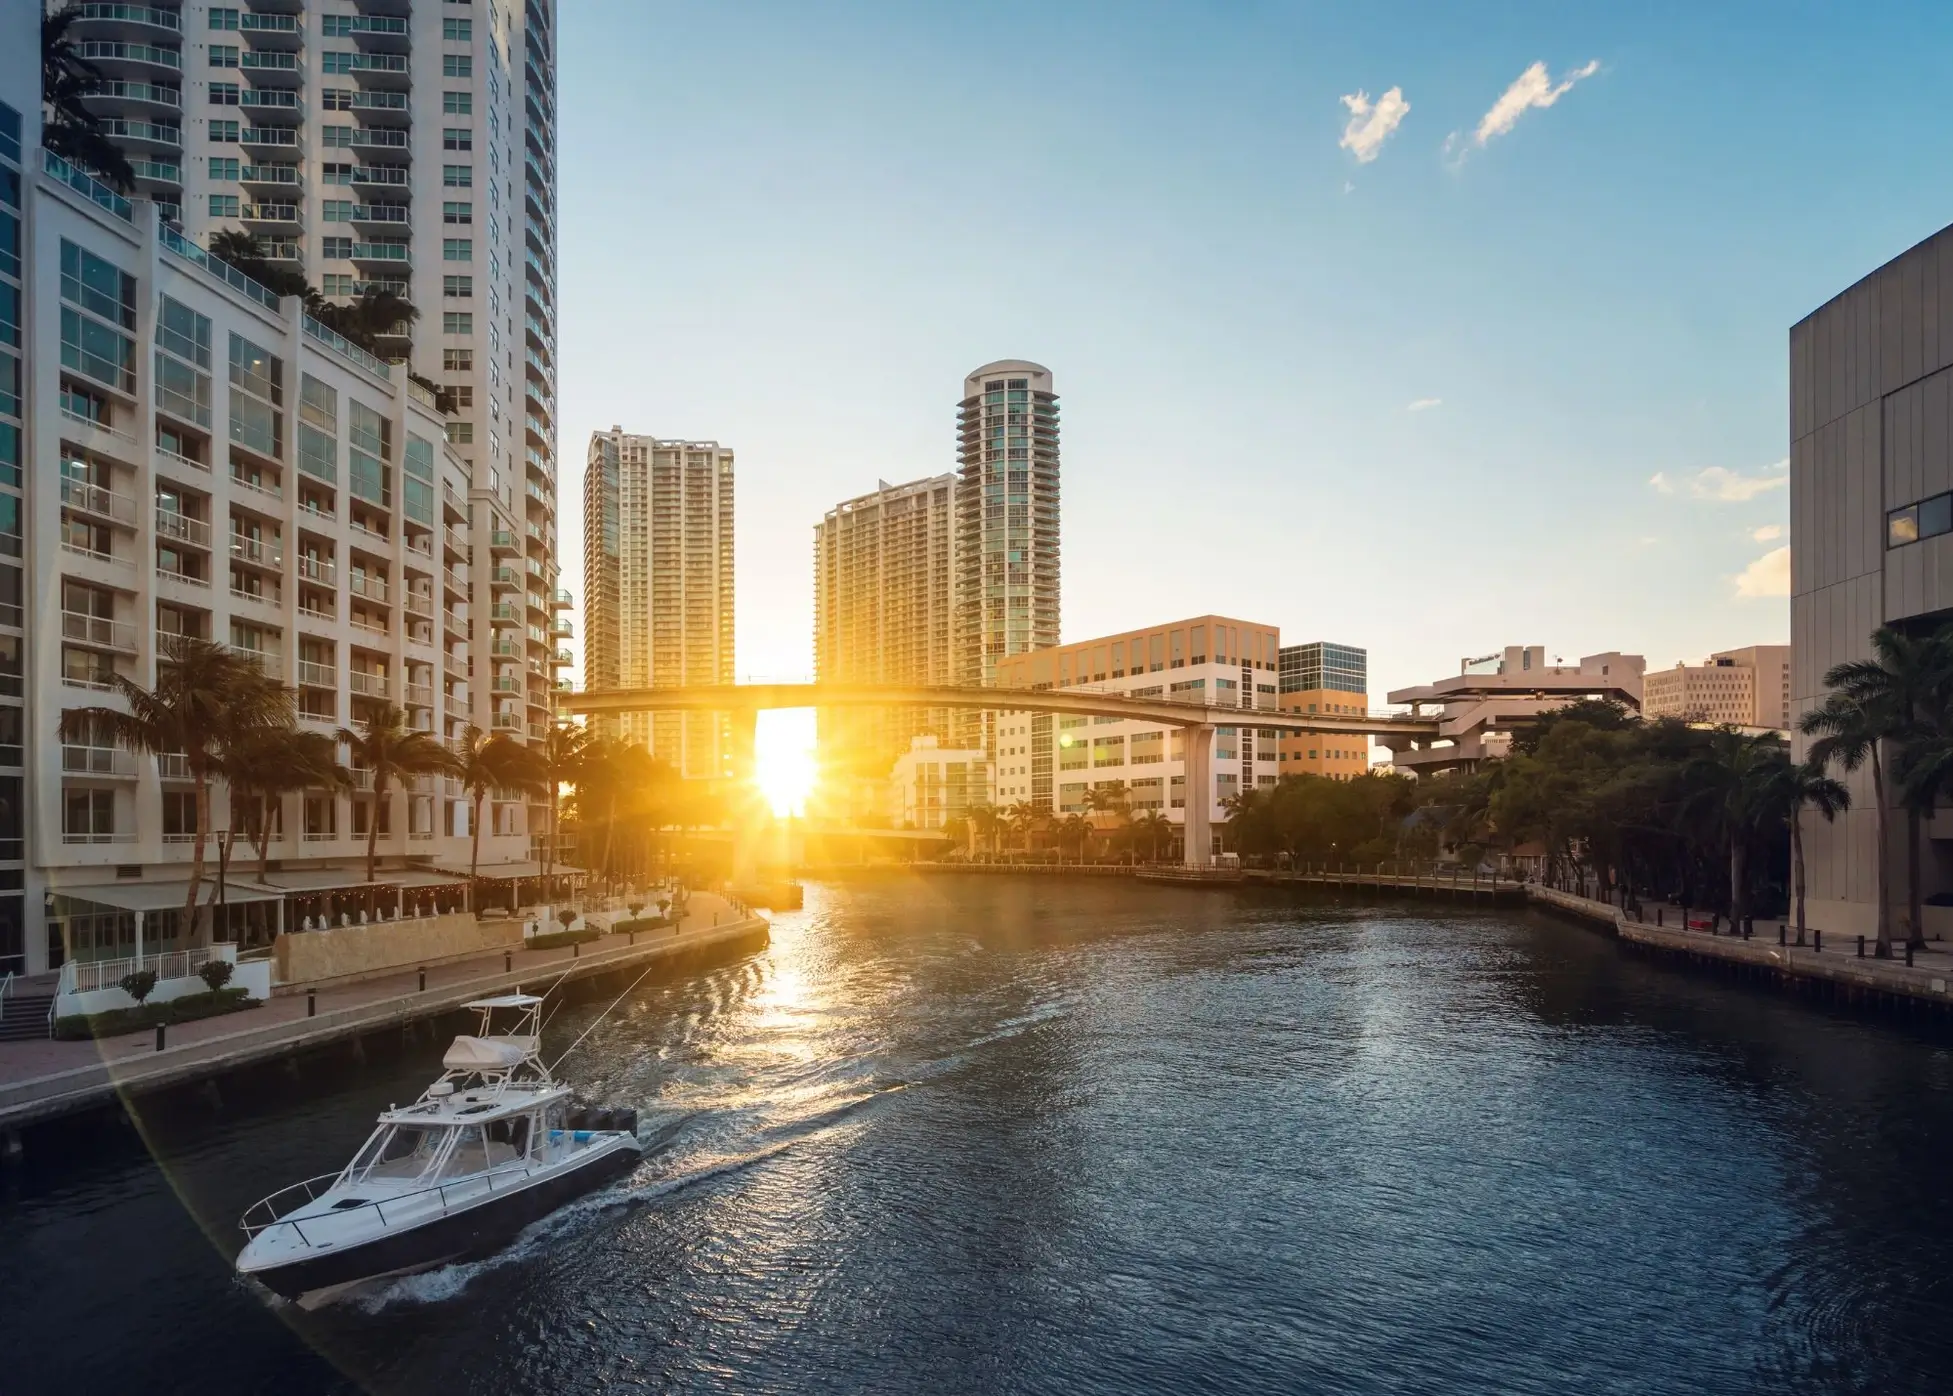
x=138, y=984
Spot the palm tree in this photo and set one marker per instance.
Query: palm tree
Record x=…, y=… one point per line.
x=1073, y=829
x=1733, y=784
x=71, y=130
x=563, y=753
x=491, y=762
x=388, y=749
x=1151, y=827
x=261, y=767
x=1023, y=817
x=1898, y=696
x=985, y=823
x=248, y=255
x=206, y=699
x=1799, y=785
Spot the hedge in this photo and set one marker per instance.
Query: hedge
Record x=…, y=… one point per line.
x=118, y=1021
x=550, y=940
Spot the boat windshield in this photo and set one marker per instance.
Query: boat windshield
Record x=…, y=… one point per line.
x=398, y=1152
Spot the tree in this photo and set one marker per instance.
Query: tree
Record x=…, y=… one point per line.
x=1804, y=784
x=987, y=822
x=491, y=762
x=1738, y=788
x=1900, y=696
x=264, y=765
x=248, y=255
x=206, y=700
x=71, y=130
x=1025, y=817
x=388, y=749
x=1073, y=829
x=1151, y=828
x=562, y=754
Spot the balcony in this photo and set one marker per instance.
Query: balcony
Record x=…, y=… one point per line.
x=99, y=632
x=506, y=683
x=258, y=552
x=181, y=528
x=271, y=218
x=272, y=104
x=109, y=761
x=315, y=675
x=508, y=722
x=98, y=502
x=270, y=663
x=274, y=176
x=561, y=630
x=137, y=20
x=271, y=31
x=561, y=600
x=139, y=135
x=279, y=138
x=262, y=594
x=319, y=570
x=420, y=695
x=505, y=613
x=118, y=58
x=504, y=579
x=366, y=585
x=395, y=252
x=561, y=657
x=276, y=67
x=275, y=490
x=367, y=685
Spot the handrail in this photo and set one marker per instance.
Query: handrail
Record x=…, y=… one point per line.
x=312, y=1190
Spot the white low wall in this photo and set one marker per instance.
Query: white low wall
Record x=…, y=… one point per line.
x=252, y=976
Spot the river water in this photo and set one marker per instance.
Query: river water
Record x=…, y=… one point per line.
x=1044, y=1136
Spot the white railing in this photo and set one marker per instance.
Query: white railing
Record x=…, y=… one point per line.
x=97, y=761
x=263, y=552
x=316, y=675
x=172, y=765
x=98, y=630
x=98, y=500
x=82, y=976
x=368, y=685
x=182, y=528
x=316, y=569
x=369, y=586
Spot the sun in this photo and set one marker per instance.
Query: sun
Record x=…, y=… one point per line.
x=783, y=758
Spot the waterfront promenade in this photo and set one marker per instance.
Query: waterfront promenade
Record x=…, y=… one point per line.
x=42, y=1079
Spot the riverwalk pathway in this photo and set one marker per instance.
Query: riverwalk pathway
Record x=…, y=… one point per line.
x=45, y=1078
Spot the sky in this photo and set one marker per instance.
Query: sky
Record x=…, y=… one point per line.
x=1430, y=328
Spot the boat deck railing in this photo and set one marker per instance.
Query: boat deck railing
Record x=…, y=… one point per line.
x=264, y=1215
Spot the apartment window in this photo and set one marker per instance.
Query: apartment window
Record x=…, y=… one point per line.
x=457, y=65
x=224, y=132
x=223, y=94
x=336, y=247
x=458, y=103
x=458, y=360
x=225, y=168
x=337, y=137
x=461, y=433
x=457, y=322
x=458, y=31
x=336, y=174
x=457, y=213
x=463, y=395
x=457, y=249
x=223, y=205
x=87, y=814
x=257, y=392
x=179, y=814
x=457, y=138
x=336, y=62
x=223, y=56
x=336, y=283
x=224, y=19
x=338, y=210
x=1902, y=526
x=458, y=287
x=321, y=816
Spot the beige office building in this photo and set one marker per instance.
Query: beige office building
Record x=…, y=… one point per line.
x=1493, y=695
x=1749, y=687
x=931, y=784
x=884, y=591
x=658, y=587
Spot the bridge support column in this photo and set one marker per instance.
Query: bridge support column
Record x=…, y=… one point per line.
x=1198, y=743
x=746, y=812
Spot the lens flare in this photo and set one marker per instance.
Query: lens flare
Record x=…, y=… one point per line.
x=783, y=759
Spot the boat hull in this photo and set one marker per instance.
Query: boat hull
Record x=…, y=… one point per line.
x=468, y=1234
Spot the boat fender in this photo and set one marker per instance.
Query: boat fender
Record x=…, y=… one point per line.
x=581, y=1136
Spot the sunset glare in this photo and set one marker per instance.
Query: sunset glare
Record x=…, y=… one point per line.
x=783, y=759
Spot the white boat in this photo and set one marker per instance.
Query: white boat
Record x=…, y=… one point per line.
x=493, y=1145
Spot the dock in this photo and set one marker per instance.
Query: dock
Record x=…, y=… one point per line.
x=44, y=1080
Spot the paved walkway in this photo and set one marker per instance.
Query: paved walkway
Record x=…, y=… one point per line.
x=37, y=1070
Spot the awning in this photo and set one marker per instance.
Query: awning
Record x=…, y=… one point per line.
x=291, y=880
x=504, y=872
x=165, y=896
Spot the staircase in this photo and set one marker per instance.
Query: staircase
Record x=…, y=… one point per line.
x=23, y=1013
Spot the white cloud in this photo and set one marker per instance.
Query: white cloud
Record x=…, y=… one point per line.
x=1769, y=533
x=1661, y=482
x=1768, y=576
x=1731, y=488
x=1425, y=404
x=1348, y=188
x=1532, y=88
x=1370, y=123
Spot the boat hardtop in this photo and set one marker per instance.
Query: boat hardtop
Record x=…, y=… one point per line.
x=495, y=1133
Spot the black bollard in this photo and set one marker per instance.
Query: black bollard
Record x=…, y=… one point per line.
x=423, y=979
x=1908, y=954
x=508, y=961
x=1861, y=947
x=576, y=950
x=1657, y=916
x=1817, y=942
x=630, y=937
x=159, y=1037
x=311, y=1003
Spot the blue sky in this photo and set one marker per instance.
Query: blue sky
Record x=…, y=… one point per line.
x=793, y=228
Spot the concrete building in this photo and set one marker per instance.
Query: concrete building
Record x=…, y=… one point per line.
x=188, y=455
x=930, y=784
x=1490, y=696
x=404, y=147
x=658, y=587
x=1871, y=536
x=1053, y=761
x=1322, y=677
x=884, y=591
x=1007, y=554
x=1749, y=687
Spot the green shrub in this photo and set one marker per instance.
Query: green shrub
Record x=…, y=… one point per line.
x=139, y=985
x=567, y=915
x=215, y=974
x=639, y=925
x=551, y=940
x=118, y=1021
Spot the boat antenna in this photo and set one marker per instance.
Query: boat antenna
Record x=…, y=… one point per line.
x=601, y=1016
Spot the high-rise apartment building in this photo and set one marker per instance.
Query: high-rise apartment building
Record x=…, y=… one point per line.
x=410, y=147
x=884, y=591
x=658, y=590
x=1749, y=687
x=1321, y=677
x=184, y=454
x=1007, y=555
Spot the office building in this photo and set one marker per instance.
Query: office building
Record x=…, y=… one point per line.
x=1749, y=687
x=1321, y=677
x=1007, y=554
x=1496, y=694
x=1871, y=539
x=657, y=582
x=403, y=147
x=930, y=784
x=1053, y=761
x=188, y=455
x=884, y=584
